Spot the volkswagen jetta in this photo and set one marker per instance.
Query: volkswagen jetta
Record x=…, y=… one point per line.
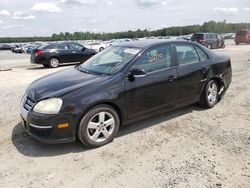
x=122, y=84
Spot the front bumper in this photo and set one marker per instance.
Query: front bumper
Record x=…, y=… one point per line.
x=44, y=128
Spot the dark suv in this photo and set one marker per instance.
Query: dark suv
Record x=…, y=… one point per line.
x=52, y=55
x=242, y=36
x=210, y=40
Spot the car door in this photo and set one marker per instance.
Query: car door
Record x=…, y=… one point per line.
x=192, y=72
x=156, y=89
x=64, y=53
x=78, y=52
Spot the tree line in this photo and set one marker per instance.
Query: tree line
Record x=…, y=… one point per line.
x=211, y=26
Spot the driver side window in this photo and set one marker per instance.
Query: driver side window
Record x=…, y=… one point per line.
x=154, y=60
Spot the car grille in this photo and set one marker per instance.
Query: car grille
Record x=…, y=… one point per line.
x=28, y=104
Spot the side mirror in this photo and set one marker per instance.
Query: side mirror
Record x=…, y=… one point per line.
x=136, y=73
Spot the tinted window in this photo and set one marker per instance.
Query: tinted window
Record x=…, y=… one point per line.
x=52, y=46
x=186, y=54
x=156, y=59
x=203, y=56
x=209, y=36
x=196, y=37
x=75, y=46
x=62, y=46
x=242, y=32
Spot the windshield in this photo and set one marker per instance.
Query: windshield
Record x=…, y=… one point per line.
x=110, y=60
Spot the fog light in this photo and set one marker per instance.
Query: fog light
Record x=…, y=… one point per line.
x=63, y=126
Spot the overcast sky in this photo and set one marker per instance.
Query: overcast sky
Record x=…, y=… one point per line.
x=44, y=17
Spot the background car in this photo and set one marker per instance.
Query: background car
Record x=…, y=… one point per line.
x=97, y=46
x=5, y=47
x=210, y=40
x=17, y=49
x=242, y=36
x=52, y=55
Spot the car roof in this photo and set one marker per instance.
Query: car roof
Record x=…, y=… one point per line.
x=204, y=33
x=147, y=43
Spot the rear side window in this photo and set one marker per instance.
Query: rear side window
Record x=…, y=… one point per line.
x=197, y=37
x=241, y=33
x=186, y=54
x=52, y=46
x=62, y=46
x=203, y=56
x=75, y=46
x=156, y=59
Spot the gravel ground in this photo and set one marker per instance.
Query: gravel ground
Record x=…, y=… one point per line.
x=189, y=147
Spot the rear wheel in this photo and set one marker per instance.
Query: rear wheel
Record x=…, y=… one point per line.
x=209, y=46
x=236, y=43
x=54, y=62
x=99, y=126
x=101, y=49
x=209, y=96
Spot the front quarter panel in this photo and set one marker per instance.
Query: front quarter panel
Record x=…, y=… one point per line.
x=110, y=91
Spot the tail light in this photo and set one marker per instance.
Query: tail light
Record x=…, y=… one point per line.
x=202, y=41
x=39, y=52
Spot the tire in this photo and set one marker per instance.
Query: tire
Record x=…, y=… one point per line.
x=209, y=46
x=93, y=131
x=101, y=49
x=209, y=97
x=236, y=43
x=54, y=62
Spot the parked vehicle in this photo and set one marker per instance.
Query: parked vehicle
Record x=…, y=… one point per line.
x=30, y=49
x=52, y=55
x=97, y=46
x=210, y=40
x=123, y=84
x=242, y=36
x=17, y=49
x=5, y=47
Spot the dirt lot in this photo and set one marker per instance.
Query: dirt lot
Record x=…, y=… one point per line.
x=190, y=147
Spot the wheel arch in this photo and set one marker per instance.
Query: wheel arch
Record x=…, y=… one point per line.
x=111, y=104
x=218, y=80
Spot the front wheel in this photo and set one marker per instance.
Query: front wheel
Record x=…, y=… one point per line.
x=209, y=46
x=99, y=126
x=209, y=96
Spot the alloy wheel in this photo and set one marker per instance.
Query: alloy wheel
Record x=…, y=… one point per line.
x=212, y=93
x=101, y=126
x=54, y=62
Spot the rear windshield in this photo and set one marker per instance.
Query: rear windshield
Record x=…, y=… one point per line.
x=197, y=37
x=239, y=33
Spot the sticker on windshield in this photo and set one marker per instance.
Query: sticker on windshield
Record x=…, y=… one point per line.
x=131, y=51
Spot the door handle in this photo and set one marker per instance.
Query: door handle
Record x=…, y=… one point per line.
x=171, y=78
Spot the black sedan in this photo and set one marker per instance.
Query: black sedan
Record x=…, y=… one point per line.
x=52, y=55
x=122, y=84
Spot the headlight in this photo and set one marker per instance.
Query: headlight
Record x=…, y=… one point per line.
x=48, y=106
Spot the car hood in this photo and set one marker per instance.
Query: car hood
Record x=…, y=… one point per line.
x=60, y=83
